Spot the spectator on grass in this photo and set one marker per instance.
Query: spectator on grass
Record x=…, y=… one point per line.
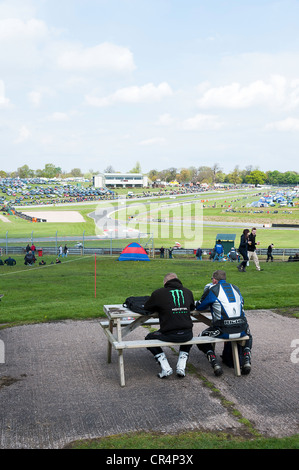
x=269, y=253
x=199, y=254
x=225, y=302
x=58, y=261
x=252, y=248
x=294, y=258
x=218, y=249
x=243, y=250
x=29, y=258
x=1, y=262
x=173, y=302
x=232, y=255
x=10, y=261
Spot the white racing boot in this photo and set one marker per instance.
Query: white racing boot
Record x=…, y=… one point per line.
x=181, y=364
x=166, y=369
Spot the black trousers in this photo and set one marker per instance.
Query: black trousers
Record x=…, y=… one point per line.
x=245, y=258
x=177, y=336
x=214, y=332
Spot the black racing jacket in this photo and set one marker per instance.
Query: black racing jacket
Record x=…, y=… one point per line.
x=173, y=302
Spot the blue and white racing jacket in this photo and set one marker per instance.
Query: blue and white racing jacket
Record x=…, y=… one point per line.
x=226, y=305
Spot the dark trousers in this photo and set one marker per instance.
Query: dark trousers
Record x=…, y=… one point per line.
x=173, y=336
x=217, y=333
x=245, y=258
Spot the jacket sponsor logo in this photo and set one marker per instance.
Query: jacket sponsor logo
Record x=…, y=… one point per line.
x=237, y=321
x=177, y=297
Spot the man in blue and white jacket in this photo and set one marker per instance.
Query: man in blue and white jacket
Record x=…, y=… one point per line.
x=228, y=318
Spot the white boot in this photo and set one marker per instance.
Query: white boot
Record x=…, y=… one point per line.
x=181, y=364
x=166, y=369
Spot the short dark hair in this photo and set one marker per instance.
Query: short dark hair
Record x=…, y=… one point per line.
x=219, y=275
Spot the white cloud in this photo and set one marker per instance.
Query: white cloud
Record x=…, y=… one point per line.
x=36, y=96
x=288, y=124
x=58, y=116
x=153, y=141
x=135, y=94
x=236, y=96
x=24, y=134
x=202, y=122
x=16, y=29
x=165, y=120
x=105, y=56
x=3, y=100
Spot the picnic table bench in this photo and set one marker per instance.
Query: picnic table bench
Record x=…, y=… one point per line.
x=125, y=321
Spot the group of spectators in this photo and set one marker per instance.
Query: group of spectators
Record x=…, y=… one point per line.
x=174, y=303
x=30, y=258
x=246, y=250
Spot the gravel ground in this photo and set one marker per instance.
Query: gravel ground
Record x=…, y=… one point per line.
x=56, y=386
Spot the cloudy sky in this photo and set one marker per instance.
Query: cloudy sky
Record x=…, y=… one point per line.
x=167, y=83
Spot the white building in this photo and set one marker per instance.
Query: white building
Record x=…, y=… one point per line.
x=120, y=180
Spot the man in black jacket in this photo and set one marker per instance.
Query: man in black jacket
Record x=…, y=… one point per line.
x=173, y=302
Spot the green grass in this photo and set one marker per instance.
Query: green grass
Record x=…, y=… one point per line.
x=187, y=440
x=67, y=291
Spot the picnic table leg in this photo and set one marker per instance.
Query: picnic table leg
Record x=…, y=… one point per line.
x=109, y=345
x=120, y=354
x=236, y=358
x=121, y=367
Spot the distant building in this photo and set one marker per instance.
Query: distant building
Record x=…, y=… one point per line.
x=120, y=180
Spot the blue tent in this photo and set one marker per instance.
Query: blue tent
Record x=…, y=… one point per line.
x=133, y=252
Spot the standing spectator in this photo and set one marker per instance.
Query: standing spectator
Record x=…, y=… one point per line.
x=218, y=251
x=170, y=252
x=33, y=248
x=65, y=251
x=269, y=253
x=252, y=248
x=162, y=252
x=59, y=251
x=27, y=248
x=199, y=254
x=243, y=250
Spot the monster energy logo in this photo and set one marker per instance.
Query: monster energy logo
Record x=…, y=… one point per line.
x=177, y=297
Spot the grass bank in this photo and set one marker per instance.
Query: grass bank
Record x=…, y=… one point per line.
x=71, y=290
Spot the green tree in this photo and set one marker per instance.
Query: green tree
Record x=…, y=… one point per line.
x=136, y=169
x=25, y=172
x=256, y=177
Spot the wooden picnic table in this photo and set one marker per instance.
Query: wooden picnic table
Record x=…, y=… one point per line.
x=122, y=321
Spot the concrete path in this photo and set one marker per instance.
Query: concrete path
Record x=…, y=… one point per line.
x=56, y=386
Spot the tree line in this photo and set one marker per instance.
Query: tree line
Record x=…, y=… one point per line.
x=203, y=174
